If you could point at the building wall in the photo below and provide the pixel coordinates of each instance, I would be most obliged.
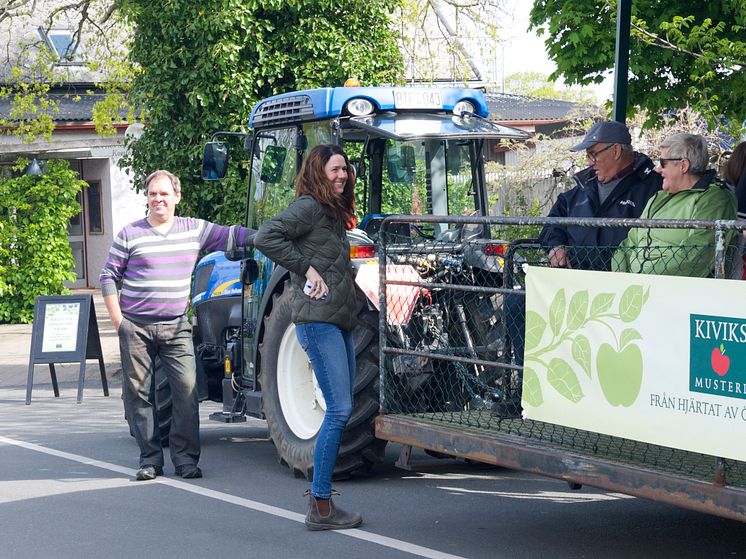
(120, 204)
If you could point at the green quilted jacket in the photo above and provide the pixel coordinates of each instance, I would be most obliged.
(678, 252)
(303, 236)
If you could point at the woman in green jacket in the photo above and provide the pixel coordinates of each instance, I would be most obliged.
(309, 238)
(690, 191)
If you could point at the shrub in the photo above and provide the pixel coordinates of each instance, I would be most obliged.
(35, 211)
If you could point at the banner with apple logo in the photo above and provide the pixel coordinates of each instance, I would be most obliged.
(659, 359)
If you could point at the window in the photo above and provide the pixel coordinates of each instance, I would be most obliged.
(95, 218)
(62, 43)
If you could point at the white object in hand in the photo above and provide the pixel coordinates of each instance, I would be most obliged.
(308, 287)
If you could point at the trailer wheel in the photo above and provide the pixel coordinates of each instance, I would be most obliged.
(294, 406)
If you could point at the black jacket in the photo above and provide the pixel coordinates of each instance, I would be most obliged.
(302, 236)
(590, 248)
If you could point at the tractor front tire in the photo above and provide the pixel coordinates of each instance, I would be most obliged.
(293, 403)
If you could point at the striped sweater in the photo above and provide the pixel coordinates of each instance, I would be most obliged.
(155, 269)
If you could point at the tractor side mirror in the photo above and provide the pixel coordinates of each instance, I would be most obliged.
(214, 161)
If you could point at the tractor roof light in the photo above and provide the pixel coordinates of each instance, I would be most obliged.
(463, 107)
(359, 107)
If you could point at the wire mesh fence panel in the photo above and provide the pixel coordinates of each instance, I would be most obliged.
(453, 323)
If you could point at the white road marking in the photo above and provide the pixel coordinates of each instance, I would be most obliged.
(553, 496)
(370, 537)
(21, 490)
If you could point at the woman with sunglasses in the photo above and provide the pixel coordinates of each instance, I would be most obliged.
(690, 191)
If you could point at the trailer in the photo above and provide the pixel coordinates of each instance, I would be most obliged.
(631, 383)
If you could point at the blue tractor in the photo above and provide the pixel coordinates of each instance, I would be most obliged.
(416, 151)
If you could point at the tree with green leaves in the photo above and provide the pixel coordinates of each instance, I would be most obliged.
(445, 38)
(35, 211)
(47, 44)
(204, 64)
(682, 54)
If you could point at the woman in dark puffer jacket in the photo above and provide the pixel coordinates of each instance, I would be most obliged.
(309, 239)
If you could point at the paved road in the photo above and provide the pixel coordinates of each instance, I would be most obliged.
(66, 492)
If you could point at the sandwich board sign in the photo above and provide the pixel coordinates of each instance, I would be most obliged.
(65, 331)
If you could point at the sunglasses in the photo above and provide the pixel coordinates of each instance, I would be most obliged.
(663, 161)
(593, 155)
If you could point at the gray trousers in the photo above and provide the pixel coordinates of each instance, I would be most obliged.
(139, 344)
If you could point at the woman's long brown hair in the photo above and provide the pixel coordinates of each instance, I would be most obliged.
(312, 181)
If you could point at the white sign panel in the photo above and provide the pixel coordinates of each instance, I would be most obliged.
(657, 359)
(60, 327)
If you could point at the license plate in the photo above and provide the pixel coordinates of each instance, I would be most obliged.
(417, 99)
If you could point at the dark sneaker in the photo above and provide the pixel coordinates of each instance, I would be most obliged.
(148, 472)
(337, 519)
(188, 471)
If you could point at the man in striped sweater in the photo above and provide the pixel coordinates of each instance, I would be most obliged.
(152, 259)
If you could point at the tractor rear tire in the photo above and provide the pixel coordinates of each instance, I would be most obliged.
(293, 404)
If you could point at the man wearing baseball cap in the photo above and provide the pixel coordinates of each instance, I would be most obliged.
(617, 184)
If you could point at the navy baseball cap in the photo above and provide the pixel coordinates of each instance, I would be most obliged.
(607, 132)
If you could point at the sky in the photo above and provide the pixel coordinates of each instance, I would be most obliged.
(523, 50)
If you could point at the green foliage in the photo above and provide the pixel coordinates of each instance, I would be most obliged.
(204, 65)
(34, 214)
(97, 56)
(682, 54)
(31, 110)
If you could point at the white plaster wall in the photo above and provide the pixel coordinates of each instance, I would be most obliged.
(120, 206)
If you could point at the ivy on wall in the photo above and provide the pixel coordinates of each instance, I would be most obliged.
(35, 256)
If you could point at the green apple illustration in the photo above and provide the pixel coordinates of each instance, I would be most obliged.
(620, 373)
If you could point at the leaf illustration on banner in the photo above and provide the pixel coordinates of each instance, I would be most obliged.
(581, 352)
(630, 304)
(601, 303)
(535, 326)
(577, 310)
(532, 394)
(557, 312)
(564, 380)
(628, 335)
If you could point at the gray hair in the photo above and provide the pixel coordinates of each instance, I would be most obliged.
(691, 147)
(175, 182)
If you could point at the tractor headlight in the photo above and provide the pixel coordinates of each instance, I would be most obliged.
(463, 107)
(359, 107)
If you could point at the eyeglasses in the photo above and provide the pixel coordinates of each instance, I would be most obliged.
(592, 156)
(667, 159)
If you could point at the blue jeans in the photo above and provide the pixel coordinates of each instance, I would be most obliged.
(172, 342)
(332, 354)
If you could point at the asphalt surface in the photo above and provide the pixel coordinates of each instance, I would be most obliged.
(66, 491)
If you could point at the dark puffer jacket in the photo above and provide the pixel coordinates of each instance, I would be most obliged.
(302, 236)
(591, 248)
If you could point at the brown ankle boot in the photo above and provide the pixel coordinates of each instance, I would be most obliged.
(337, 519)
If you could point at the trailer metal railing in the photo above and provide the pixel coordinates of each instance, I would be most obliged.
(451, 353)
